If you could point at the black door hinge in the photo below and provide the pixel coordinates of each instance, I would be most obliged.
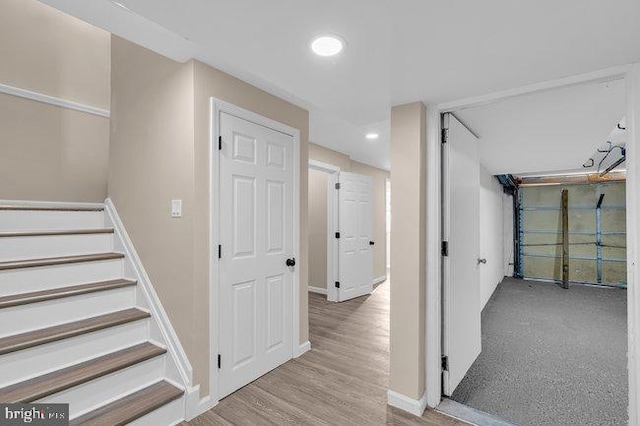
(337, 185)
(445, 248)
(337, 235)
(219, 360)
(220, 143)
(445, 135)
(219, 252)
(445, 363)
(337, 284)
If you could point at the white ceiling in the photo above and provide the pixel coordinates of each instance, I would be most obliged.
(435, 51)
(557, 130)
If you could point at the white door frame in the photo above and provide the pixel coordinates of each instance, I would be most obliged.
(332, 226)
(216, 107)
(433, 338)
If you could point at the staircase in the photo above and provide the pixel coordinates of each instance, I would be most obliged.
(74, 328)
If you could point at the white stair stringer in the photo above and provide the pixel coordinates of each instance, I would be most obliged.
(39, 232)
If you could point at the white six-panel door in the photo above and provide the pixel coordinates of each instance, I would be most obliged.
(462, 304)
(256, 236)
(355, 222)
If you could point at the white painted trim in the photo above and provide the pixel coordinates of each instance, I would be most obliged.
(304, 347)
(194, 406)
(332, 226)
(325, 167)
(158, 314)
(607, 74)
(433, 304)
(216, 107)
(379, 280)
(633, 245)
(52, 100)
(318, 290)
(410, 405)
(51, 204)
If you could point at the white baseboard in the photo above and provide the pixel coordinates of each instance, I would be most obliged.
(319, 290)
(410, 405)
(304, 347)
(197, 406)
(379, 279)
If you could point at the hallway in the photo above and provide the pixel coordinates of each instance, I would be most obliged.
(342, 380)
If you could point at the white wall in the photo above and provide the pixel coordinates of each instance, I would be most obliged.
(491, 234)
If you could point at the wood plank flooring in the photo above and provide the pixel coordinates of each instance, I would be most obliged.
(342, 380)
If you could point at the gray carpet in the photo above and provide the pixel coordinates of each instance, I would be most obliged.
(551, 356)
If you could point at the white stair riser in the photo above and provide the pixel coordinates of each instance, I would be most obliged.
(95, 393)
(34, 316)
(29, 220)
(25, 364)
(25, 280)
(19, 248)
(169, 414)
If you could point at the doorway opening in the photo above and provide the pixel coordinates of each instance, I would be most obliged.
(534, 302)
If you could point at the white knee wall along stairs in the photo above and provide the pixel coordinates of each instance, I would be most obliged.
(80, 322)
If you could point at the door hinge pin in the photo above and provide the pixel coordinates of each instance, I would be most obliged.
(337, 235)
(220, 143)
(337, 284)
(219, 252)
(219, 360)
(337, 185)
(445, 248)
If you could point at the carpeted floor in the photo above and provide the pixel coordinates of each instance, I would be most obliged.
(551, 356)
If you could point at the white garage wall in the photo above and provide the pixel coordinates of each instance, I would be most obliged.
(491, 234)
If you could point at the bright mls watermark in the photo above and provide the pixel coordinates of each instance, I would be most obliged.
(34, 414)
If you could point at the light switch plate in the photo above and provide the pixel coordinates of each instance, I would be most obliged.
(176, 208)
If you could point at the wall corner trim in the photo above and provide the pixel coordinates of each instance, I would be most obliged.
(304, 347)
(52, 100)
(158, 313)
(410, 405)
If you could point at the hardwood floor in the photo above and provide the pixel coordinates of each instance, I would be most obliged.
(342, 380)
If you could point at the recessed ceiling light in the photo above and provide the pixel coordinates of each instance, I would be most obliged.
(327, 45)
(372, 136)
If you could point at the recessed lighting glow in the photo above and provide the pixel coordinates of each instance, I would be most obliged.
(372, 136)
(327, 45)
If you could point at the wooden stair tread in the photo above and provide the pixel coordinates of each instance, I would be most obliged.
(56, 232)
(51, 334)
(58, 293)
(131, 407)
(57, 381)
(52, 261)
(51, 208)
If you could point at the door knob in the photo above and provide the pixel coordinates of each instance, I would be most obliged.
(291, 262)
(482, 261)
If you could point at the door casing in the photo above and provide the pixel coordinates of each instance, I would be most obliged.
(216, 108)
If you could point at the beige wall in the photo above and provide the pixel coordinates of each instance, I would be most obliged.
(408, 224)
(160, 151)
(318, 212)
(318, 181)
(51, 153)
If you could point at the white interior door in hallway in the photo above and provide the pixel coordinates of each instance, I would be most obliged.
(256, 237)
(355, 217)
(461, 229)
